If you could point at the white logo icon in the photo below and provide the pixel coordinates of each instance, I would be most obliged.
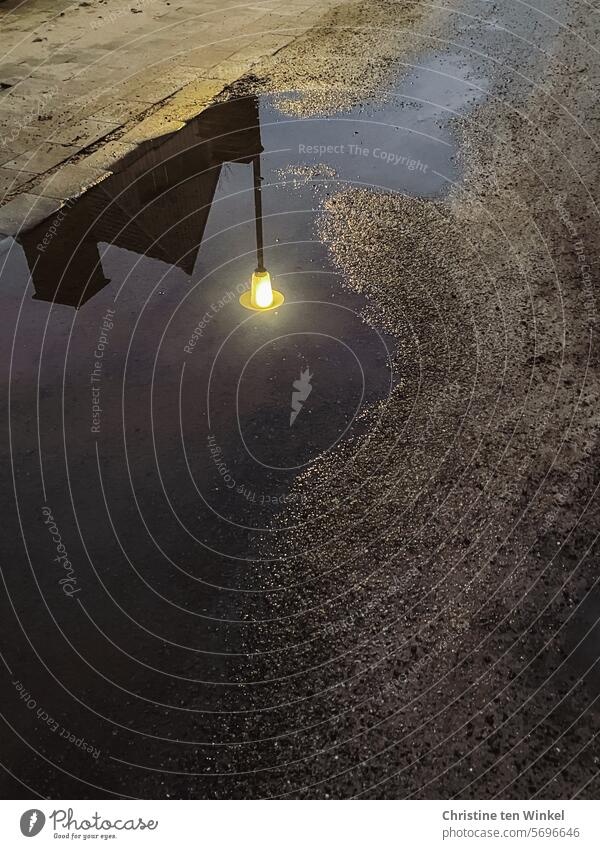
(302, 389)
(32, 822)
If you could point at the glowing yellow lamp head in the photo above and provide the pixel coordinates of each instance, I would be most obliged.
(261, 296)
(261, 293)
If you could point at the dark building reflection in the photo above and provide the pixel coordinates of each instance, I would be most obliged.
(156, 204)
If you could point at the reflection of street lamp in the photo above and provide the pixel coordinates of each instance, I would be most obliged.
(261, 296)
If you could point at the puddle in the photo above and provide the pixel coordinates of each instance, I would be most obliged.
(160, 422)
(153, 262)
(167, 245)
(402, 143)
(149, 378)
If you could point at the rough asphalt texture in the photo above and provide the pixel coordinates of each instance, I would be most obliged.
(442, 561)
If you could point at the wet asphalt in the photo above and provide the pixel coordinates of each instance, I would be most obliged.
(391, 594)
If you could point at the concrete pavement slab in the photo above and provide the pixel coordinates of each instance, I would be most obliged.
(70, 181)
(41, 159)
(82, 133)
(106, 156)
(191, 99)
(26, 211)
(118, 111)
(151, 128)
(12, 179)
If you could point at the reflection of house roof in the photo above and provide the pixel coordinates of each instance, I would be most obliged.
(69, 270)
(156, 204)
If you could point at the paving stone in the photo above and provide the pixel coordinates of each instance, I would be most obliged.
(34, 87)
(69, 181)
(42, 158)
(231, 69)
(56, 71)
(15, 140)
(121, 110)
(6, 243)
(151, 128)
(239, 62)
(82, 133)
(180, 72)
(188, 102)
(205, 58)
(266, 44)
(13, 72)
(11, 180)
(106, 156)
(81, 89)
(161, 87)
(26, 211)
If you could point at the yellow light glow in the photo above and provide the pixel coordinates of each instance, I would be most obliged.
(261, 296)
(261, 292)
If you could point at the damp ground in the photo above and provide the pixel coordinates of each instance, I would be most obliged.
(151, 413)
(377, 597)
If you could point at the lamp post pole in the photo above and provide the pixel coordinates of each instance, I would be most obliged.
(260, 260)
(261, 296)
